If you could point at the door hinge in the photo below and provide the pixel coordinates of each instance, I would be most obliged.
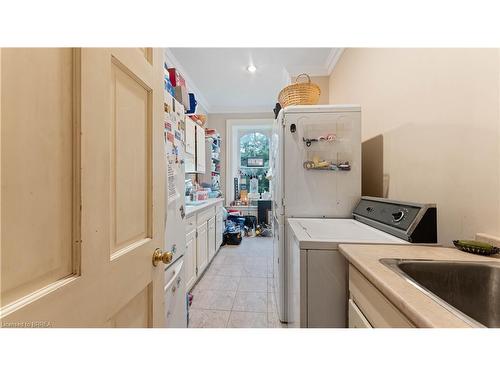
(283, 202)
(283, 121)
(197, 270)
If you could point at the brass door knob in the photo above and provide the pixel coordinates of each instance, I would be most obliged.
(161, 256)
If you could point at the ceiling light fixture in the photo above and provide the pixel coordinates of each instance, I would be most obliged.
(251, 68)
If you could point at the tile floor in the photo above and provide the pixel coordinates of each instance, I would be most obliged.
(236, 290)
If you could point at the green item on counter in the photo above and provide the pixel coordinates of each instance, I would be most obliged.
(476, 247)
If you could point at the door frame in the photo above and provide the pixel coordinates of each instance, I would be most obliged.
(233, 126)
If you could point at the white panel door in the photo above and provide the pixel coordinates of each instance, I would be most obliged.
(82, 176)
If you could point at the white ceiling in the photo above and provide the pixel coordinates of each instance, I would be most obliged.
(221, 82)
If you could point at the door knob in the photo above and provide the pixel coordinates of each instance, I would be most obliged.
(162, 256)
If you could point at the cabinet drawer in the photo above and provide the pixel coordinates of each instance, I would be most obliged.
(356, 317)
(191, 224)
(205, 215)
(377, 309)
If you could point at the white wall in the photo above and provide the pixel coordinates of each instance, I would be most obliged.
(438, 111)
(324, 85)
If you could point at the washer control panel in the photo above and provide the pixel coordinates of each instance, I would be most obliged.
(398, 215)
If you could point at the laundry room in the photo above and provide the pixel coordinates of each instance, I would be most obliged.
(272, 196)
(255, 197)
(343, 166)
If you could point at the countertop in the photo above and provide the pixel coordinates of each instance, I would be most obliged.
(191, 210)
(418, 307)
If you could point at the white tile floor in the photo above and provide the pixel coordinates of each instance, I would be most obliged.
(236, 291)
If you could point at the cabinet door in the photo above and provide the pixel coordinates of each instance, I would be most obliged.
(190, 259)
(190, 136)
(200, 149)
(219, 230)
(81, 133)
(202, 248)
(211, 238)
(189, 163)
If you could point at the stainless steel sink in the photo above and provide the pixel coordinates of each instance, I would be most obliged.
(470, 290)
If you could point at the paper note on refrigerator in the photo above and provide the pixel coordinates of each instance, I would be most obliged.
(172, 193)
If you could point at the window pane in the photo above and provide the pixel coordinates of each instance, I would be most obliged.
(254, 158)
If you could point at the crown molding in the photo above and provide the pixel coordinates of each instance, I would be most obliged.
(242, 109)
(332, 59)
(311, 70)
(200, 98)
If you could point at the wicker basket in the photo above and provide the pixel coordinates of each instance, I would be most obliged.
(300, 93)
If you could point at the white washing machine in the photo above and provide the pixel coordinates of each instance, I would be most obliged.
(317, 272)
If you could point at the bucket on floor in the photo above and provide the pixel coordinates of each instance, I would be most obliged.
(232, 237)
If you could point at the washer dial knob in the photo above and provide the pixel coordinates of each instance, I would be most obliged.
(398, 216)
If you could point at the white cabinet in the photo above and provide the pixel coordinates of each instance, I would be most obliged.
(211, 238)
(194, 147)
(200, 149)
(189, 163)
(190, 136)
(203, 238)
(201, 248)
(190, 259)
(190, 151)
(219, 230)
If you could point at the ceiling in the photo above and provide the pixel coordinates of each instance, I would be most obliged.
(222, 84)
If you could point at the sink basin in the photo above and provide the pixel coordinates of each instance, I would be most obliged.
(470, 290)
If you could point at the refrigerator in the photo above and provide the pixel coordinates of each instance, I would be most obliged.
(315, 169)
(175, 240)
